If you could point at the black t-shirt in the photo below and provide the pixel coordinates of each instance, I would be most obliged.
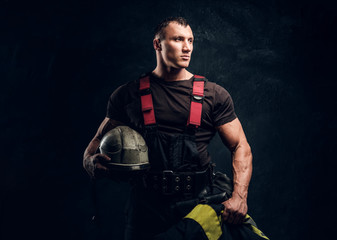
(171, 101)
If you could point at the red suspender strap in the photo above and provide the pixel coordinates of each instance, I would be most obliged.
(196, 102)
(146, 101)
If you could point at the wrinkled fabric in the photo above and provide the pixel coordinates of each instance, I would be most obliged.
(191, 228)
(174, 152)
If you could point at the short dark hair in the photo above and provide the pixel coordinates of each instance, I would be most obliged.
(159, 30)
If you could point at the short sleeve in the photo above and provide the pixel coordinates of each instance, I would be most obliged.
(223, 111)
(116, 104)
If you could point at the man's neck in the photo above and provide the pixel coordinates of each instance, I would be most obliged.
(172, 74)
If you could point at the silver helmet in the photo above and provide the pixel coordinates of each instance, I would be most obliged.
(126, 148)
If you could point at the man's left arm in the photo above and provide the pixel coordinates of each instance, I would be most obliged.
(234, 138)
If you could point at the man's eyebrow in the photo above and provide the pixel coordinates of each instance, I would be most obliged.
(181, 36)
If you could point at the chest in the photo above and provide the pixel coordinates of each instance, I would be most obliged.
(171, 107)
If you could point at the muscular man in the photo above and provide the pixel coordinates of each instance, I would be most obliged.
(173, 145)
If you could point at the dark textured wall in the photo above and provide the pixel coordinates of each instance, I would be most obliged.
(60, 60)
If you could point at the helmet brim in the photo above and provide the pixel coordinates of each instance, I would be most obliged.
(129, 167)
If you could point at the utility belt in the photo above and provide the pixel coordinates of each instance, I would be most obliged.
(186, 184)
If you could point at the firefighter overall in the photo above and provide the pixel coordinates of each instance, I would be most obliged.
(176, 173)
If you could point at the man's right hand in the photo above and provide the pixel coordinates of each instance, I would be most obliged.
(97, 165)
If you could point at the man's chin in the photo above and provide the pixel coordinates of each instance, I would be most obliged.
(183, 65)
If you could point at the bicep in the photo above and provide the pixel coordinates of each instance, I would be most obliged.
(232, 134)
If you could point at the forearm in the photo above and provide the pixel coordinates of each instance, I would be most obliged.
(242, 169)
(92, 147)
(94, 143)
(90, 151)
(234, 138)
(89, 165)
(105, 126)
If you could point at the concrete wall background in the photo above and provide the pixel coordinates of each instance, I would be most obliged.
(60, 60)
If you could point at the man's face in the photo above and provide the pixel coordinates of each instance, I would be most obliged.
(177, 46)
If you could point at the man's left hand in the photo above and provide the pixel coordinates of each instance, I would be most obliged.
(235, 209)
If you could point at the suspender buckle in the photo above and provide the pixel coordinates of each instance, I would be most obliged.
(145, 91)
(197, 98)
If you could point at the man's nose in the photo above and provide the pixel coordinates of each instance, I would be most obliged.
(187, 46)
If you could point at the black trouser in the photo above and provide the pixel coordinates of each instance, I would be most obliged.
(148, 214)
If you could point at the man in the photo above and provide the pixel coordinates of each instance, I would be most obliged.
(171, 86)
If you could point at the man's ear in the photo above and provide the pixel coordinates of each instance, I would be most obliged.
(157, 44)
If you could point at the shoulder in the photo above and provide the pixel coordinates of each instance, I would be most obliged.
(214, 88)
(127, 87)
(125, 93)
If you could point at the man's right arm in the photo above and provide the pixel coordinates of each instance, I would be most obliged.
(95, 163)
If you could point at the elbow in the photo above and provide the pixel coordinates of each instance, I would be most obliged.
(243, 147)
(248, 151)
(249, 156)
(243, 155)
